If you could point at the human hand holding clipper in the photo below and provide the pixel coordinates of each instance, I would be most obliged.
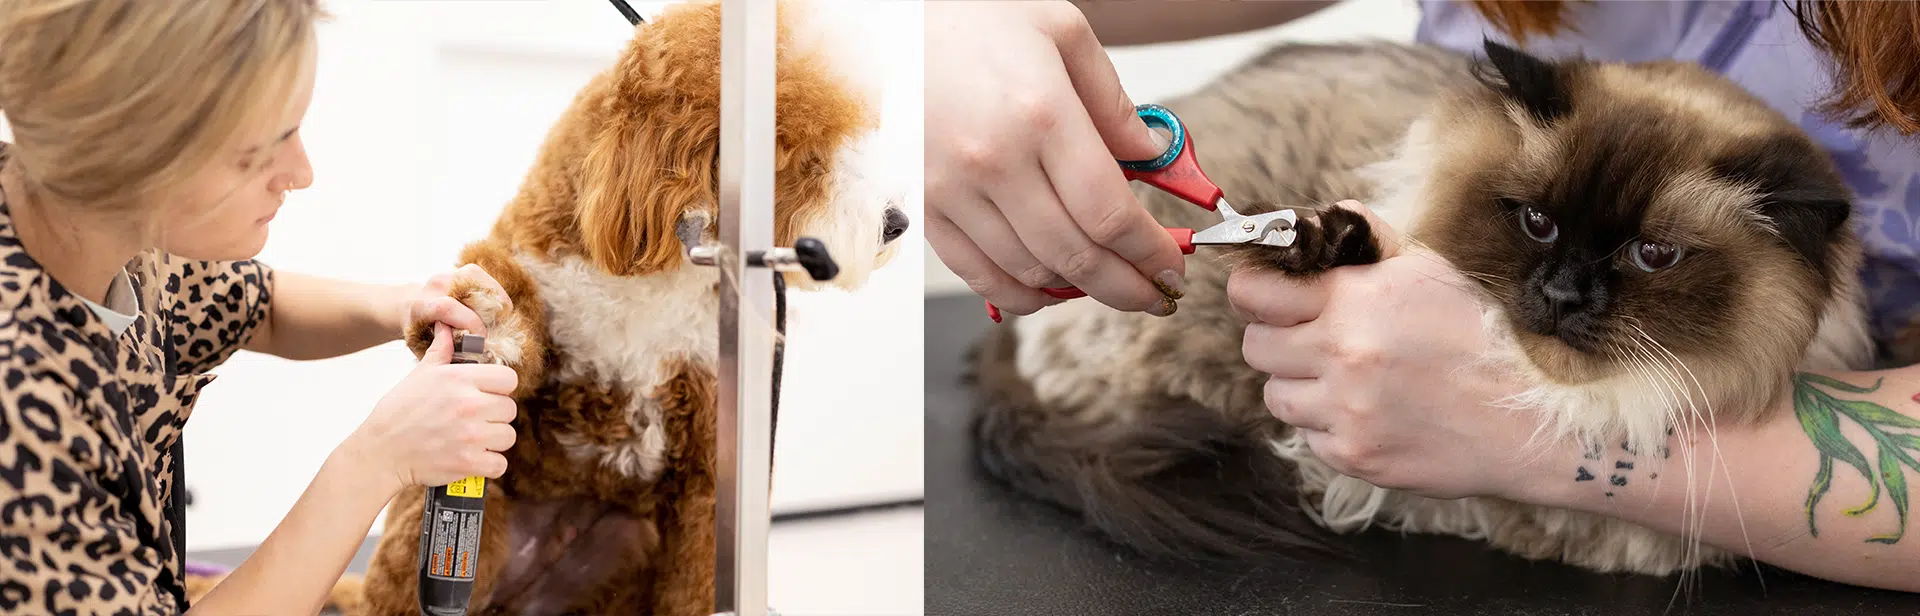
(1022, 129)
(450, 524)
(443, 422)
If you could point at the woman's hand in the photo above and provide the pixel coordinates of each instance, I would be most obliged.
(443, 422)
(1025, 118)
(430, 302)
(1382, 368)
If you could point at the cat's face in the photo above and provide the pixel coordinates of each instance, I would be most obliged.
(1633, 215)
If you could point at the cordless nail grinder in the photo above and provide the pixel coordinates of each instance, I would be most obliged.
(450, 526)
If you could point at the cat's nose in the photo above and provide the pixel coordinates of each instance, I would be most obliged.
(1564, 297)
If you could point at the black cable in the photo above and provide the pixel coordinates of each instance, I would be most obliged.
(627, 11)
(834, 512)
(779, 361)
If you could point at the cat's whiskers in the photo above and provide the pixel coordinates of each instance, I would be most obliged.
(1671, 408)
(1490, 280)
(1713, 437)
(1639, 365)
(1693, 516)
(1710, 424)
(1497, 284)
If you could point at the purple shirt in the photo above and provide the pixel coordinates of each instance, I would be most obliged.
(1759, 46)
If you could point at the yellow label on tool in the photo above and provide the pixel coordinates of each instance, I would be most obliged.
(471, 487)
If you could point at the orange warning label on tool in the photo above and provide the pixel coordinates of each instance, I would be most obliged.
(451, 543)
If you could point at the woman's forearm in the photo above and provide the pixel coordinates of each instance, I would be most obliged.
(294, 570)
(1144, 22)
(1790, 492)
(318, 318)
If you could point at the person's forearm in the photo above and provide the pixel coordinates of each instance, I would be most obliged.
(318, 318)
(1144, 22)
(295, 569)
(1769, 491)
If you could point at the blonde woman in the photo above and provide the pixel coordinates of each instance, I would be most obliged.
(153, 142)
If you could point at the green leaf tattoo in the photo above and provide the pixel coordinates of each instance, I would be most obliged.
(1896, 491)
(1819, 413)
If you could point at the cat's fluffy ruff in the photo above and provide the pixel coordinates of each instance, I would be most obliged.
(1405, 130)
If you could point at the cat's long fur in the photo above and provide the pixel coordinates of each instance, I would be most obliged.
(1155, 429)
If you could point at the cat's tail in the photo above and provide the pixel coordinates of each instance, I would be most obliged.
(1176, 480)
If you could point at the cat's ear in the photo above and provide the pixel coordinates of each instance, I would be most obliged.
(1537, 85)
(1805, 202)
(1807, 219)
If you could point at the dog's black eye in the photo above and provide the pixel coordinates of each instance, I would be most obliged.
(1653, 256)
(1538, 225)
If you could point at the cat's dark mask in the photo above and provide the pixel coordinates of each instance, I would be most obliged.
(1626, 206)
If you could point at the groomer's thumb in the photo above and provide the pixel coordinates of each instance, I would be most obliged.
(1094, 79)
(1126, 135)
(441, 351)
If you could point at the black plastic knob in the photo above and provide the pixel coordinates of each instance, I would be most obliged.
(812, 255)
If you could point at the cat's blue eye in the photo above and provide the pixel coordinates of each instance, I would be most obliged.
(1538, 226)
(1655, 256)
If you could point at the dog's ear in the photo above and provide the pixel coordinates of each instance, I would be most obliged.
(640, 174)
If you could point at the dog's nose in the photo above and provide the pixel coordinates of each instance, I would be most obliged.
(894, 226)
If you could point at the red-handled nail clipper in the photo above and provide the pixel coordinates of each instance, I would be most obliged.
(1178, 172)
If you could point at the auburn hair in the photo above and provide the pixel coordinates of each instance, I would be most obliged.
(1521, 18)
(1869, 46)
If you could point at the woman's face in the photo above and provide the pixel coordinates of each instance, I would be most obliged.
(224, 210)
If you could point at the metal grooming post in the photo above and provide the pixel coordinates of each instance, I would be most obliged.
(744, 452)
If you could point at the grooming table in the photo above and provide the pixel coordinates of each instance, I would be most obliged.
(991, 551)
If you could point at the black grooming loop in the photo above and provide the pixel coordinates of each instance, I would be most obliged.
(807, 254)
(633, 17)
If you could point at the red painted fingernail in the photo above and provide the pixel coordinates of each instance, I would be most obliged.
(993, 312)
(1064, 293)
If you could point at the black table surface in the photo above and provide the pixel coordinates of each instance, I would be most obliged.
(991, 552)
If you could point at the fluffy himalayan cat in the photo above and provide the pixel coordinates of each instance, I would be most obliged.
(1600, 208)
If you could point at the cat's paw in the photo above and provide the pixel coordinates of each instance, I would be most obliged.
(1332, 238)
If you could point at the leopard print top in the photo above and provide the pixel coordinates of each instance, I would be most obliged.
(88, 421)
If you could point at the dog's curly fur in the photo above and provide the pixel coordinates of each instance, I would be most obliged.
(607, 505)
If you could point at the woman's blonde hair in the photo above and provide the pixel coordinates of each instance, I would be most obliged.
(113, 102)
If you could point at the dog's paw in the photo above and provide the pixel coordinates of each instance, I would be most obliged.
(1332, 238)
(492, 307)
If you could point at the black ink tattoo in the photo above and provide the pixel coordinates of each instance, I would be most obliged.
(1623, 464)
(1617, 480)
(1584, 475)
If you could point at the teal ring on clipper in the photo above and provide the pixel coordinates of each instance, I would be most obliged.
(1159, 117)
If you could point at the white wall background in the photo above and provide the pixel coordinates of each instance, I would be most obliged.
(426, 115)
(1153, 73)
